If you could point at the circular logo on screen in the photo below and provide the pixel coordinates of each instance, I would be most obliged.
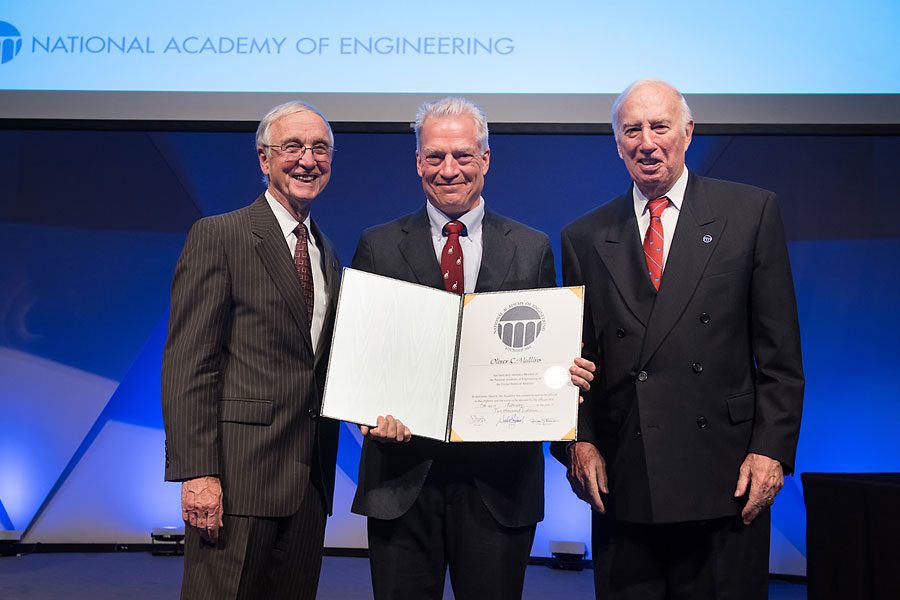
(10, 42)
(519, 325)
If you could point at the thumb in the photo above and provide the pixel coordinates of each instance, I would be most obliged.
(742, 483)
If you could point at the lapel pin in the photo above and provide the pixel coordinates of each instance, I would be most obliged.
(707, 238)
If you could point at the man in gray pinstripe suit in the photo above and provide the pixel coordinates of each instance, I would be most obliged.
(243, 372)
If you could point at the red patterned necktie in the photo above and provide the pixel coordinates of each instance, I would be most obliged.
(654, 240)
(452, 258)
(304, 271)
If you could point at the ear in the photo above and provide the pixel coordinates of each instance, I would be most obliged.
(419, 164)
(688, 134)
(485, 161)
(263, 160)
(619, 150)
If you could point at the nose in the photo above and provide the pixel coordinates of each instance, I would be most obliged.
(449, 168)
(307, 160)
(647, 142)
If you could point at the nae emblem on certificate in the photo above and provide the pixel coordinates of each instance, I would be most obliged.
(480, 367)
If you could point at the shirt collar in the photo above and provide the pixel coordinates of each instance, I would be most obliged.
(472, 219)
(675, 195)
(286, 222)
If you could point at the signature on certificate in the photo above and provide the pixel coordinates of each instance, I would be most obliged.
(511, 419)
(476, 420)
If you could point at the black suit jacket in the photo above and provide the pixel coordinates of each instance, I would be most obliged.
(241, 382)
(509, 476)
(693, 377)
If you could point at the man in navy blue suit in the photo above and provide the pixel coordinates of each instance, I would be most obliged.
(691, 318)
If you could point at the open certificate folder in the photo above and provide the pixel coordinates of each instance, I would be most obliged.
(475, 368)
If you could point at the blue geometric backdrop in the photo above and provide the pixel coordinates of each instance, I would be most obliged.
(92, 222)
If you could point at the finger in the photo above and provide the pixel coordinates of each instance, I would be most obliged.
(593, 496)
(586, 365)
(752, 510)
(407, 434)
(742, 483)
(578, 380)
(602, 481)
(580, 399)
(213, 531)
(364, 430)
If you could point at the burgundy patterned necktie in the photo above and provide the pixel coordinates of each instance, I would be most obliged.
(452, 258)
(654, 240)
(304, 271)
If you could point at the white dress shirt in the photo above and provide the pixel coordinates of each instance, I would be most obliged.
(669, 216)
(472, 247)
(288, 223)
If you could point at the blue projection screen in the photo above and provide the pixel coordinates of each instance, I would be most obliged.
(764, 62)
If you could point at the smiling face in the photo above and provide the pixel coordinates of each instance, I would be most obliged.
(652, 137)
(294, 183)
(451, 164)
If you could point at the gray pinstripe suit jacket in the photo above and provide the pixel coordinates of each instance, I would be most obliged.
(241, 382)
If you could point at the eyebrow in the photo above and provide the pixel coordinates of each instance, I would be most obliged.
(297, 140)
(464, 149)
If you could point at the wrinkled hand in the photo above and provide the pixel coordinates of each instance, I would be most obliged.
(582, 372)
(387, 429)
(587, 474)
(201, 506)
(765, 478)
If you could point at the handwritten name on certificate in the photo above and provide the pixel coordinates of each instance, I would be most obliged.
(512, 378)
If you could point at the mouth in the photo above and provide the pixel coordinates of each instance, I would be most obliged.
(304, 177)
(649, 162)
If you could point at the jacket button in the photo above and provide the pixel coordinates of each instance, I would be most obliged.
(643, 376)
(312, 414)
(704, 318)
(620, 333)
(697, 367)
(639, 433)
(701, 422)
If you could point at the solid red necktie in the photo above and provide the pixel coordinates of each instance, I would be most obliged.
(654, 240)
(304, 270)
(452, 258)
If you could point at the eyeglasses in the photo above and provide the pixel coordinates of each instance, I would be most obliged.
(295, 151)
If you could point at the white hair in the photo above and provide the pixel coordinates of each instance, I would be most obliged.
(452, 107)
(686, 115)
(282, 110)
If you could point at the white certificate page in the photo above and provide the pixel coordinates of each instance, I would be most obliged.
(392, 353)
(512, 379)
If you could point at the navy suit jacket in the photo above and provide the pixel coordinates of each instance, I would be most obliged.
(509, 476)
(695, 376)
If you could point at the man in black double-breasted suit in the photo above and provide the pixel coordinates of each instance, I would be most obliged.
(253, 302)
(691, 318)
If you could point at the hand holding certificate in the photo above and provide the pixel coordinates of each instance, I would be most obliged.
(480, 367)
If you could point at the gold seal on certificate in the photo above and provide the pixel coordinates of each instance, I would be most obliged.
(479, 367)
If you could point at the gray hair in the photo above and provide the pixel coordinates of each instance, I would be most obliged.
(282, 110)
(686, 115)
(452, 107)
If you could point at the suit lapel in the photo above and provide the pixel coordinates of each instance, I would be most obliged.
(497, 255)
(332, 283)
(275, 257)
(696, 237)
(620, 249)
(417, 250)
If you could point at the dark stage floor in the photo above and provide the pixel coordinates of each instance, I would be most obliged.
(141, 576)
